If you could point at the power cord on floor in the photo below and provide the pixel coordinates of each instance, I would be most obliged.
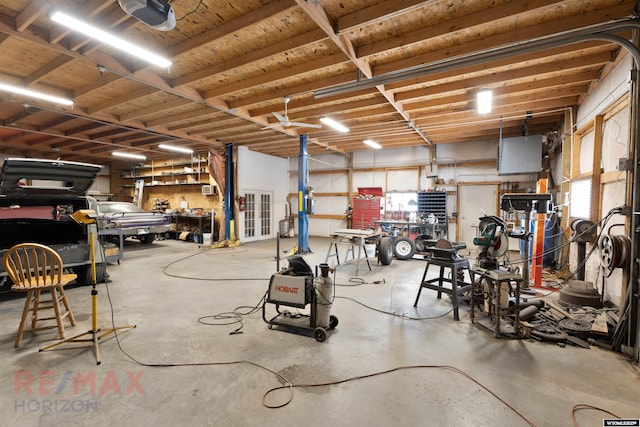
(359, 281)
(290, 386)
(233, 317)
(579, 406)
(209, 279)
(403, 368)
(404, 316)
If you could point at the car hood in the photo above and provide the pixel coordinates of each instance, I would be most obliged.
(21, 177)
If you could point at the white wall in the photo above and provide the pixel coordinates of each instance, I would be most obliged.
(399, 180)
(398, 177)
(615, 145)
(614, 86)
(261, 172)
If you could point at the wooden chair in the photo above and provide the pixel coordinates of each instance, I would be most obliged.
(35, 268)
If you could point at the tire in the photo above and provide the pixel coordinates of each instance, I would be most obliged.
(404, 248)
(84, 274)
(385, 251)
(320, 334)
(333, 322)
(146, 239)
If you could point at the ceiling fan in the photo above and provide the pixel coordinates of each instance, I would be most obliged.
(284, 120)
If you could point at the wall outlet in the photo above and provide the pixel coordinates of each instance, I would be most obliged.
(625, 164)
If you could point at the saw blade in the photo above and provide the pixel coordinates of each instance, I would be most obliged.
(500, 247)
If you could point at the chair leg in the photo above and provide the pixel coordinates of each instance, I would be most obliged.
(63, 297)
(56, 308)
(35, 307)
(25, 313)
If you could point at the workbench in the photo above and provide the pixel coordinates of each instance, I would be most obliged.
(188, 218)
(353, 239)
(113, 232)
(495, 279)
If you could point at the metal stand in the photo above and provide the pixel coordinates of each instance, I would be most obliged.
(457, 266)
(494, 279)
(95, 333)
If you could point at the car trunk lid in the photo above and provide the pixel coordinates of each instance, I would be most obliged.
(28, 177)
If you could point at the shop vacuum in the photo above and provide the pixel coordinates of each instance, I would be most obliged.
(297, 287)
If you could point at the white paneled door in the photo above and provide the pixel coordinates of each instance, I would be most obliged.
(258, 216)
(475, 201)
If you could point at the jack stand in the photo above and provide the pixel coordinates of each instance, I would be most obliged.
(95, 333)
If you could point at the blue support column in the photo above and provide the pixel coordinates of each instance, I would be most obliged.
(229, 193)
(303, 183)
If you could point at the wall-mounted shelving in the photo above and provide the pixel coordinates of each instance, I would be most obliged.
(178, 172)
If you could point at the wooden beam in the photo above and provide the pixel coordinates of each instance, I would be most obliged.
(379, 12)
(290, 43)
(598, 129)
(33, 11)
(322, 20)
(45, 70)
(513, 36)
(230, 27)
(451, 26)
(156, 108)
(313, 66)
(532, 71)
(91, 9)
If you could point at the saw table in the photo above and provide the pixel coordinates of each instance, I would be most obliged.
(353, 239)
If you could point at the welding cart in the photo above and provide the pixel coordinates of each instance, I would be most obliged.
(296, 287)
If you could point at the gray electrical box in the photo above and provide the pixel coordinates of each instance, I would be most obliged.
(520, 155)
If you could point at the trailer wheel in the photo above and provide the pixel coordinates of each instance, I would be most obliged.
(333, 322)
(320, 334)
(404, 247)
(385, 251)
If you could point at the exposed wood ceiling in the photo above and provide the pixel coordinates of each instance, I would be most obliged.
(234, 61)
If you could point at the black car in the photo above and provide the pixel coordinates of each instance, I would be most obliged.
(42, 201)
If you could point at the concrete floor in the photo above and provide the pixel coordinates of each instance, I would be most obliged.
(65, 387)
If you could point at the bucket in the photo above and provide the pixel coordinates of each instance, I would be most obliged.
(370, 249)
(206, 238)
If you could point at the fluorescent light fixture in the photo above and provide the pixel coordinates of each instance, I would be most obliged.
(129, 155)
(483, 98)
(22, 91)
(111, 40)
(371, 143)
(334, 124)
(176, 149)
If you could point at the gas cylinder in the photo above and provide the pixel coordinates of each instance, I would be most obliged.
(324, 296)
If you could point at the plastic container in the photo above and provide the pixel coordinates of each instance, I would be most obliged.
(206, 238)
(370, 249)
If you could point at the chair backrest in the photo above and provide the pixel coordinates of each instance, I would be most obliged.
(33, 264)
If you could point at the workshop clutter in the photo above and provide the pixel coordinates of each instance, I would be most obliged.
(549, 319)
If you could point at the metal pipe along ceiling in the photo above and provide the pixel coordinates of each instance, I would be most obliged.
(595, 32)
